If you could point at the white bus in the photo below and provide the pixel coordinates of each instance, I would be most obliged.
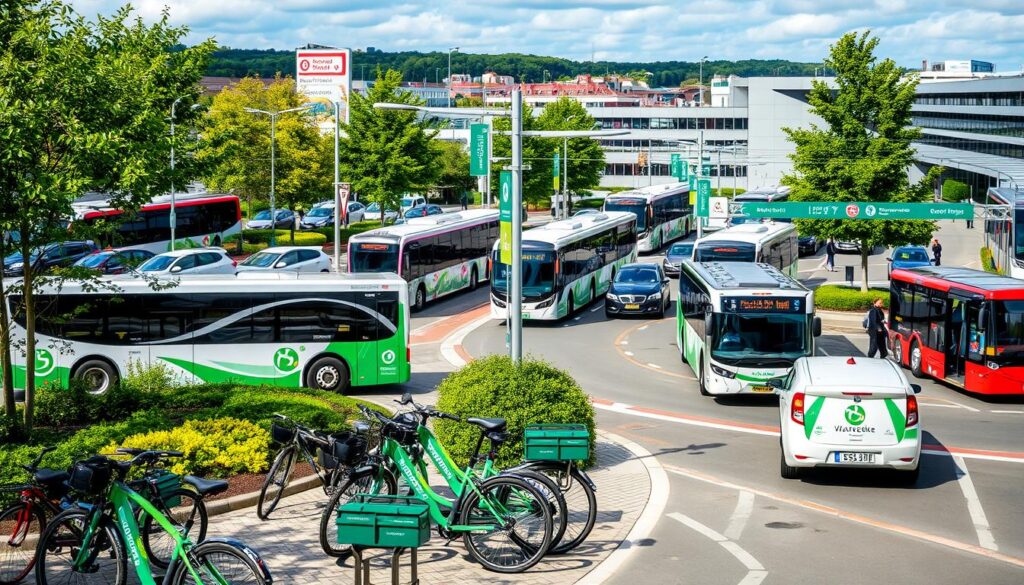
(437, 255)
(759, 195)
(324, 331)
(771, 243)
(566, 264)
(203, 219)
(1004, 231)
(739, 324)
(663, 213)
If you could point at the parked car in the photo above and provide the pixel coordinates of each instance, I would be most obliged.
(423, 211)
(638, 289)
(373, 211)
(808, 245)
(410, 201)
(114, 261)
(53, 255)
(261, 221)
(322, 215)
(287, 258)
(909, 257)
(189, 262)
(842, 246)
(677, 252)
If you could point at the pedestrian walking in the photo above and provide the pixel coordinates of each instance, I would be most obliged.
(830, 255)
(877, 336)
(465, 201)
(937, 252)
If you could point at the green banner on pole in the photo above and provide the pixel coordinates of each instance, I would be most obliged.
(703, 197)
(675, 166)
(479, 165)
(684, 170)
(557, 169)
(858, 210)
(505, 217)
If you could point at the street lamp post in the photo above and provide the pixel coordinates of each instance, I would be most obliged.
(700, 81)
(173, 217)
(450, 49)
(273, 152)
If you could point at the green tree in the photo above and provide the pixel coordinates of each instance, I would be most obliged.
(863, 151)
(236, 146)
(387, 153)
(955, 191)
(83, 106)
(453, 163)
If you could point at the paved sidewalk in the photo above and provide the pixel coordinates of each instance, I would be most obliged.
(289, 543)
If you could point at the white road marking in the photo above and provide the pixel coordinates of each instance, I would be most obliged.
(655, 366)
(455, 339)
(923, 403)
(755, 570)
(823, 352)
(624, 342)
(642, 328)
(738, 520)
(577, 318)
(1007, 411)
(963, 477)
(629, 353)
(597, 308)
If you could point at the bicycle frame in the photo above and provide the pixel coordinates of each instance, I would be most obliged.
(122, 497)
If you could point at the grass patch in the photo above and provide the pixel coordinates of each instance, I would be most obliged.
(831, 297)
(988, 263)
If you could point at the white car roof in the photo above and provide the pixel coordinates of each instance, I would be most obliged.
(825, 371)
(283, 249)
(189, 251)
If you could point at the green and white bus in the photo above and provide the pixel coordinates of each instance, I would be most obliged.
(739, 324)
(774, 244)
(437, 255)
(663, 213)
(324, 331)
(566, 264)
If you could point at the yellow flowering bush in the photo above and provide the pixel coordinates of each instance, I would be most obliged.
(217, 447)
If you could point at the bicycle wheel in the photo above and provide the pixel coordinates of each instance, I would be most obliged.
(21, 526)
(220, 562)
(526, 534)
(190, 518)
(62, 540)
(277, 479)
(556, 503)
(580, 502)
(361, 484)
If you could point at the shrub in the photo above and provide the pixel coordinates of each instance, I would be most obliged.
(831, 297)
(11, 429)
(531, 392)
(347, 232)
(310, 238)
(218, 447)
(259, 405)
(587, 204)
(61, 407)
(955, 191)
(988, 263)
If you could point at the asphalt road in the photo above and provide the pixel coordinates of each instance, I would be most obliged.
(730, 518)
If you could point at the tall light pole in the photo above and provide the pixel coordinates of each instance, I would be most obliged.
(173, 219)
(700, 81)
(273, 154)
(437, 76)
(450, 49)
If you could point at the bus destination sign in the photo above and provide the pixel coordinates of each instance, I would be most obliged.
(762, 305)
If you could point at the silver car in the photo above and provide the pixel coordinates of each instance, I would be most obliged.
(287, 258)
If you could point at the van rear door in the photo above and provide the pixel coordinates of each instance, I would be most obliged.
(856, 415)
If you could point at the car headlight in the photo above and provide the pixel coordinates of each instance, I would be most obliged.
(655, 297)
(612, 297)
(722, 372)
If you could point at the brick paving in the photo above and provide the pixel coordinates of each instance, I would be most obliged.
(288, 542)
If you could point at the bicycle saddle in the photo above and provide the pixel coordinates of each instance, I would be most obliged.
(488, 424)
(206, 487)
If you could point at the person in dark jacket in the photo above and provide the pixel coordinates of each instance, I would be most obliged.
(830, 255)
(937, 251)
(876, 331)
(464, 200)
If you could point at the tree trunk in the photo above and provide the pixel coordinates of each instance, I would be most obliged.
(865, 252)
(30, 325)
(5, 350)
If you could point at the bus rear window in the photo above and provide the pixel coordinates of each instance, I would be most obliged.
(725, 251)
(374, 257)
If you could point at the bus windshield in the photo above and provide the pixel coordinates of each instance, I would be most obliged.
(725, 251)
(1009, 330)
(759, 339)
(637, 207)
(374, 257)
(538, 275)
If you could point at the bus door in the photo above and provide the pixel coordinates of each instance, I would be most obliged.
(390, 354)
(966, 338)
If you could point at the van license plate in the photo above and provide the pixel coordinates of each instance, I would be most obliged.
(761, 389)
(632, 307)
(854, 457)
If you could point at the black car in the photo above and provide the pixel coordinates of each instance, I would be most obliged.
(54, 255)
(677, 252)
(808, 245)
(638, 289)
(114, 261)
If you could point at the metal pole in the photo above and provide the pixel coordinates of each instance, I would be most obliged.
(516, 280)
(273, 210)
(565, 178)
(700, 85)
(700, 173)
(173, 218)
(650, 164)
(337, 179)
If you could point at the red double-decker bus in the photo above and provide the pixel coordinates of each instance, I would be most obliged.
(962, 326)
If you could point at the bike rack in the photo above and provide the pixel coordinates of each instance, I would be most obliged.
(362, 566)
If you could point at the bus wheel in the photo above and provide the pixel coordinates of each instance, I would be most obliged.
(328, 373)
(700, 383)
(897, 351)
(98, 374)
(421, 298)
(915, 360)
(571, 305)
(682, 346)
(472, 280)
(593, 291)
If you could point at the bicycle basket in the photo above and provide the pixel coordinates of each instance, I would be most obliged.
(281, 434)
(165, 484)
(348, 448)
(90, 477)
(402, 434)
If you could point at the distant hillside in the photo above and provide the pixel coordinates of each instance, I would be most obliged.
(416, 66)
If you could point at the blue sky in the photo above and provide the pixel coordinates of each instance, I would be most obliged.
(621, 30)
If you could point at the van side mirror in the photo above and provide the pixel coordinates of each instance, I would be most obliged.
(916, 388)
(816, 327)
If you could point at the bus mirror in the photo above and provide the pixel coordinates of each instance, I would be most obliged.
(817, 327)
(982, 315)
(707, 323)
(916, 388)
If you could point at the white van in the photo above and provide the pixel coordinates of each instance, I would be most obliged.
(848, 412)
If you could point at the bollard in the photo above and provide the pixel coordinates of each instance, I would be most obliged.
(849, 274)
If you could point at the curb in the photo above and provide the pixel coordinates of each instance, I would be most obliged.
(218, 507)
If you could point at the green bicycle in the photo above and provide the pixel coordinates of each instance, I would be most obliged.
(91, 543)
(505, 520)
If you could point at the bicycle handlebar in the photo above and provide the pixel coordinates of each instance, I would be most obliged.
(34, 466)
(426, 411)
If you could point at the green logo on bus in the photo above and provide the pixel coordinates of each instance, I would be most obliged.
(44, 362)
(855, 414)
(388, 357)
(286, 359)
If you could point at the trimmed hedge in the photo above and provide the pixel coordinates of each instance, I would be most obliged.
(284, 237)
(587, 204)
(988, 263)
(532, 392)
(831, 297)
(955, 191)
